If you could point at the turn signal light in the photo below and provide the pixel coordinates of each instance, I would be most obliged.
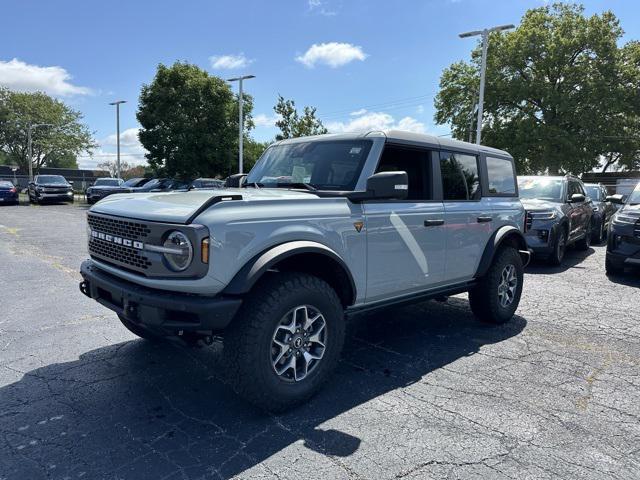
(204, 250)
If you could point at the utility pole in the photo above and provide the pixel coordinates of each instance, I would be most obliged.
(241, 118)
(30, 129)
(117, 104)
(483, 67)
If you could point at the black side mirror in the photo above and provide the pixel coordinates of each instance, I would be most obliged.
(384, 185)
(235, 181)
(618, 199)
(577, 198)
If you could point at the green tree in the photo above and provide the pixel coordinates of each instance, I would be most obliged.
(189, 122)
(292, 125)
(560, 94)
(55, 146)
(252, 151)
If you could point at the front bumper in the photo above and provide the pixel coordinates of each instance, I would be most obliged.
(541, 237)
(163, 312)
(55, 196)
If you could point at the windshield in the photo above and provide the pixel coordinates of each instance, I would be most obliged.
(132, 182)
(51, 179)
(634, 198)
(541, 188)
(4, 184)
(111, 182)
(207, 183)
(593, 192)
(324, 165)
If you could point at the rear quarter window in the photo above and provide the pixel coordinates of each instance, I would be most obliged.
(501, 175)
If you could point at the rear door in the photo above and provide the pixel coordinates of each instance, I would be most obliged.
(579, 215)
(405, 238)
(469, 220)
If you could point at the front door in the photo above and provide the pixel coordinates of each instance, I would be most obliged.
(405, 239)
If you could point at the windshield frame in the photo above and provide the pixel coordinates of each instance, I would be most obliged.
(634, 196)
(260, 171)
(559, 199)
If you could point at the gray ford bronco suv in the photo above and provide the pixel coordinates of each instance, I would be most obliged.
(322, 228)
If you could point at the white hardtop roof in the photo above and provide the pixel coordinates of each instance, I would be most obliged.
(402, 136)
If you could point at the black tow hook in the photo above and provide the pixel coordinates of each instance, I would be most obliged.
(84, 288)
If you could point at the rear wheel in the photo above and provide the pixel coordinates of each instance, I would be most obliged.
(285, 341)
(496, 298)
(559, 248)
(140, 331)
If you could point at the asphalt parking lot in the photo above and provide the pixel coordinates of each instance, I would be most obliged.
(421, 392)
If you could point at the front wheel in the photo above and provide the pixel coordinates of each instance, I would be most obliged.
(285, 341)
(612, 268)
(559, 248)
(585, 243)
(496, 297)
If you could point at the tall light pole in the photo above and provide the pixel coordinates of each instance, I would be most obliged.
(483, 66)
(241, 117)
(117, 104)
(29, 144)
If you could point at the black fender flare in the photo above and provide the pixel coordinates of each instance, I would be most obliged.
(499, 237)
(253, 270)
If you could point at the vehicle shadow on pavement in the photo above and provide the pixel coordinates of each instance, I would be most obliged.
(572, 259)
(138, 410)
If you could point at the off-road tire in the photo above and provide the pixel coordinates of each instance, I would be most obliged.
(559, 250)
(248, 340)
(611, 268)
(140, 331)
(483, 298)
(585, 242)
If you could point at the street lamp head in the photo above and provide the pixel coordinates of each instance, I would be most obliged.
(244, 77)
(118, 102)
(475, 33)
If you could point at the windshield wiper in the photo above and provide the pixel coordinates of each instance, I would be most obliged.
(306, 186)
(253, 184)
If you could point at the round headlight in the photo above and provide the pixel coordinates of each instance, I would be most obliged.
(181, 255)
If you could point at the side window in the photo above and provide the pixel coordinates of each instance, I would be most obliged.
(413, 161)
(501, 176)
(460, 177)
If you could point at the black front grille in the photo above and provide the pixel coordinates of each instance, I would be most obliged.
(117, 227)
(528, 221)
(119, 253)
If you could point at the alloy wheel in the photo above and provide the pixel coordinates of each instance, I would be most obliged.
(507, 286)
(298, 343)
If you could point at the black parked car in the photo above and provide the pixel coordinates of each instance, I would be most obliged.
(623, 245)
(603, 210)
(103, 187)
(8, 193)
(50, 187)
(161, 185)
(558, 214)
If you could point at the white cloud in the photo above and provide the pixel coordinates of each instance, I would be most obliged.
(333, 54)
(357, 113)
(18, 75)
(318, 6)
(376, 121)
(131, 150)
(263, 120)
(229, 62)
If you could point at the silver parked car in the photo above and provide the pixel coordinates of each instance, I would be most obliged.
(322, 229)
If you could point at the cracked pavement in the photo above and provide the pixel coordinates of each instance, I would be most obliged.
(421, 392)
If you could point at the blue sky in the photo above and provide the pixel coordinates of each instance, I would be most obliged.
(362, 63)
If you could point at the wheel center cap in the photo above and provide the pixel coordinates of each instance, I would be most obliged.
(297, 342)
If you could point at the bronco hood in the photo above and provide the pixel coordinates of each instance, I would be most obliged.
(536, 204)
(182, 207)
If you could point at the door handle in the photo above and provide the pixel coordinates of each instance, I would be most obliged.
(484, 219)
(433, 223)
